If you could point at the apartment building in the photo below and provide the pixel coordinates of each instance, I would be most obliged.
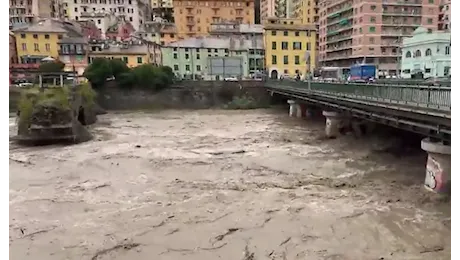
(22, 12)
(194, 17)
(272, 8)
(134, 11)
(444, 16)
(371, 31)
(290, 47)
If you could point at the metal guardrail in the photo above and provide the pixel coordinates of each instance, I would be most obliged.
(433, 97)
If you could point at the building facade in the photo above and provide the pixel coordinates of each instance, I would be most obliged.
(22, 12)
(73, 52)
(13, 50)
(133, 54)
(195, 58)
(194, 17)
(40, 40)
(290, 48)
(444, 16)
(426, 53)
(353, 32)
(134, 11)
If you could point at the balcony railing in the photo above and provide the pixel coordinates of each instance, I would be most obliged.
(400, 13)
(337, 13)
(81, 52)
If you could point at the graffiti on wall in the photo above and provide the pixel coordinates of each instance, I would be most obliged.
(434, 175)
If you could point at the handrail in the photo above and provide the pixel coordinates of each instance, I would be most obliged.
(433, 97)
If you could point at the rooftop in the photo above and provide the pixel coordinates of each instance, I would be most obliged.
(72, 29)
(123, 49)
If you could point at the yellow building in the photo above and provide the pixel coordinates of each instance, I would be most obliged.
(288, 43)
(194, 17)
(132, 54)
(40, 40)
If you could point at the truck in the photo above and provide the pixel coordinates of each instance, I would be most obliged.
(362, 73)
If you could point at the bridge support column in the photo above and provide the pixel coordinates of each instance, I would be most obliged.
(292, 108)
(333, 123)
(437, 177)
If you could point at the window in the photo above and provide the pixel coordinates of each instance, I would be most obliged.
(428, 52)
(429, 20)
(176, 67)
(47, 47)
(372, 29)
(284, 45)
(447, 50)
(186, 49)
(23, 36)
(285, 59)
(285, 33)
(197, 56)
(408, 54)
(187, 67)
(139, 60)
(175, 56)
(47, 36)
(35, 36)
(274, 61)
(373, 7)
(36, 47)
(187, 56)
(125, 59)
(447, 71)
(273, 45)
(297, 45)
(174, 49)
(24, 46)
(373, 19)
(308, 46)
(427, 70)
(297, 59)
(60, 36)
(274, 33)
(198, 67)
(297, 33)
(418, 53)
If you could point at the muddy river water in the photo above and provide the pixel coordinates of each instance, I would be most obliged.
(216, 184)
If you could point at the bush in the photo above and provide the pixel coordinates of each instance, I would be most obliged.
(148, 76)
(98, 72)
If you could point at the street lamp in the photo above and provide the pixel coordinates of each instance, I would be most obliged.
(307, 60)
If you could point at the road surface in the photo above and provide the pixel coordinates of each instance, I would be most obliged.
(218, 184)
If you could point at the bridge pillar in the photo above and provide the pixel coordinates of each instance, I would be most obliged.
(437, 177)
(292, 108)
(333, 123)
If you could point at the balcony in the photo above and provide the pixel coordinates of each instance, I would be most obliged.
(401, 13)
(402, 3)
(72, 52)
(340, 38)
(342, 29)
(337, 13)
(339, 48)
(190, 22)
(340, 21)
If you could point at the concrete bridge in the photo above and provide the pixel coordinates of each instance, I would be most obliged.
(421, 109)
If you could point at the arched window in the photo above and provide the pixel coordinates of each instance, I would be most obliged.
(408, 54)
(418, 53)
(428, 52)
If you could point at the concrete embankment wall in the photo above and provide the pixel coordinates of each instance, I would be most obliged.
(188, 95)
(184, 95)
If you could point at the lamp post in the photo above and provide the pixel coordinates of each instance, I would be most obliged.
(308, 63)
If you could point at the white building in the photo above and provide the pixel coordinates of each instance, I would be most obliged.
(134, 11)
(426, 53)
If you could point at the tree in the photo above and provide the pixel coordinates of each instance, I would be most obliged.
(50, 67)
(98, 72)
(118, 67)
(150, 77)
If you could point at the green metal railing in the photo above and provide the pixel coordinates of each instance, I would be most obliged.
(430, 97)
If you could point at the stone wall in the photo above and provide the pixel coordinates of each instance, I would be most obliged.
(189, 95)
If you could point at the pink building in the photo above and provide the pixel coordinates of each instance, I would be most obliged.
(353, 31)
(267, 9)
(444, 15)
(120, 31)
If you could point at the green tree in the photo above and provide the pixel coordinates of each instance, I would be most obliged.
(55, 66)
(150, 77)
(98, 72)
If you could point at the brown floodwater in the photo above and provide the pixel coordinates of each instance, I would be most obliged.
(218, 184)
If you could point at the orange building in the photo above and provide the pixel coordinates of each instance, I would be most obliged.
(194, 17)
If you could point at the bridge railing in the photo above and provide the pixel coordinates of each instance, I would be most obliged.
(435, 97)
